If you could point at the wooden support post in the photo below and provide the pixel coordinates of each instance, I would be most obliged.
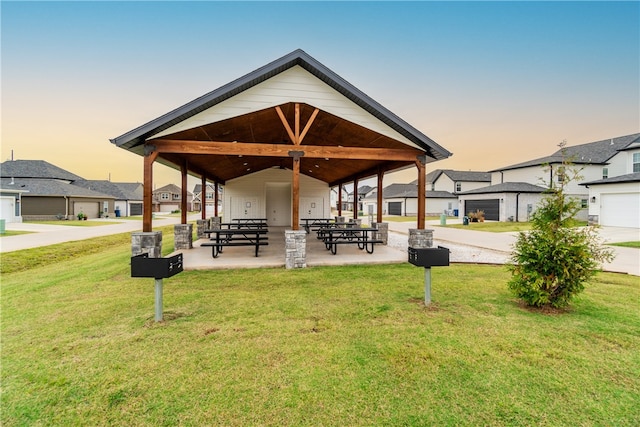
(339, 199)
(355, 198)
(215, 198)
(147, 201)
(295, 202)
(183, 195)
(420, 163)
(379, 196)
(203, 198)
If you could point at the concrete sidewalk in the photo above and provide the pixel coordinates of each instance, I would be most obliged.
(45, 234)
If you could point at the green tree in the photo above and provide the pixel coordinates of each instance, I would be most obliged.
(551, 263)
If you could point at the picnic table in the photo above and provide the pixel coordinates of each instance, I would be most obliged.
(246, 221)
(361, 236)
(247, 236)
(314, 223)
(243, 226)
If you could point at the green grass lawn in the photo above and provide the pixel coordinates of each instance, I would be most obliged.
(8, 233)
(319, 346)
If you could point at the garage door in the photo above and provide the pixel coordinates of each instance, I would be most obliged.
(90, 209)
(620, 210)
(136, 209)
(395, 208)
(491, 208)
(7, 206)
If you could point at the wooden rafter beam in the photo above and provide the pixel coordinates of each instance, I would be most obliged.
(282, 150)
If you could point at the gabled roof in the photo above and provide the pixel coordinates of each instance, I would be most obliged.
(507, 187)
(169, 188)
(51, 187)
(198, 188)
(631, 177)
(119, 190)
(399, 191)
(365, 189)
(296, 58)
(597, 153)
(35, 169)
(343, 132)
(458, 176)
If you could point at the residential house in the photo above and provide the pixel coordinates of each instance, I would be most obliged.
(455, 181)
(48, 192)
(128, 195)
(209, 198)
(516, 190)
(402, 199)
(168, 199)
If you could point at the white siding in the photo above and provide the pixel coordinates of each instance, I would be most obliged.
(254, 186)
(615, 204)
(292, 85)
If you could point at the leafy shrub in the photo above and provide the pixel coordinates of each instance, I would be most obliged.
(551, 263)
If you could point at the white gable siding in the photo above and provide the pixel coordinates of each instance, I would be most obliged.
(254, 187)
(292, 85)
(444, 183)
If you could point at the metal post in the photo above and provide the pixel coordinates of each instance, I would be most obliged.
(158, 300)
(427, 286)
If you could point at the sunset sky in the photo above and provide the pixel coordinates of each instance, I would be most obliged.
(496, 83)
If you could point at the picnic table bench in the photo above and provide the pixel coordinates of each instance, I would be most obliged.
(361, 236)
(235, 237)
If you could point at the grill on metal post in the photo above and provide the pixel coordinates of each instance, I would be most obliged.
(158, 268)
(427, 258)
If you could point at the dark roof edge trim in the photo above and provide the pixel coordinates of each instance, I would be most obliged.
(297, 57)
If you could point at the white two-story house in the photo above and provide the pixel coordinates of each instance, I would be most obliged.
(516, 190)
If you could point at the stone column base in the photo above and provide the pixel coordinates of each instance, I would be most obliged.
(214, 222)
(295, 249)
(201, 225)
(182, 236)
(149, 242)
(420, 239)
(383, 231)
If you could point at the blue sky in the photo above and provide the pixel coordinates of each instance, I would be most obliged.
(495, 83)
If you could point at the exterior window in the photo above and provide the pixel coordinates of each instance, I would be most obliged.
(636, 162)
(164, 196)
(209, 196)
(584, 203)
(458, 186)
(605, 173)
(176, 197)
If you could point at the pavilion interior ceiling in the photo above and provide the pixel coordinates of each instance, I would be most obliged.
(266, 127)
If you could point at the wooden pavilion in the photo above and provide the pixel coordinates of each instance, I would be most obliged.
(292, 114)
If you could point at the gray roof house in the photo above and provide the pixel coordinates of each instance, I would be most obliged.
(128, 195)
(515, 190)
(52, 184)
(401, 199)
(454, 181)
(49, 191)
